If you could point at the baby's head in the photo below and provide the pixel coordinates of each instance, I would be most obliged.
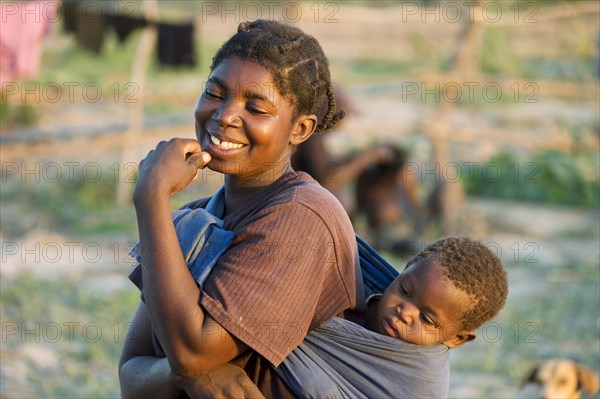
(445, 292)
(295, 61)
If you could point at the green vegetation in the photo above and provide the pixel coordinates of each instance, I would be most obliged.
(548, 177)
(82, 330)
(75, 207)
(556, 321)
(18, 114)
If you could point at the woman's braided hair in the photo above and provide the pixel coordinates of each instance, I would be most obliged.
(473, 268)
(295, 60)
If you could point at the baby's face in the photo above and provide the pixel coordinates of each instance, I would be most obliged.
(422, 306)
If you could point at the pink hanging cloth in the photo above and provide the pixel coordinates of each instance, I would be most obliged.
(23, 26)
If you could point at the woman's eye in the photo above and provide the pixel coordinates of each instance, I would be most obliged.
(212, 94)
(256, 110)
(213, 91)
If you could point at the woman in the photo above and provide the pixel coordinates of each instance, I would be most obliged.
(293, 261)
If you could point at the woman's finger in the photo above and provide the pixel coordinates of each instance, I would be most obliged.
(188, 146)
(199, 160)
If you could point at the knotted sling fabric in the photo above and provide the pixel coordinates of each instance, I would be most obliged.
(201, 237)
(339, 359)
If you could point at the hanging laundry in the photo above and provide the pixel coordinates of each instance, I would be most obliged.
(90, 23)
(69, 10)
(124, 25)
(90, 28)
(23, 27)
(176, 44)
(86, 20)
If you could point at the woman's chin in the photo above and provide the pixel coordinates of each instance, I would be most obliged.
(219, 166)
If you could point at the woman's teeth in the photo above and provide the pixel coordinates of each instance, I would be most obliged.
(226, 145)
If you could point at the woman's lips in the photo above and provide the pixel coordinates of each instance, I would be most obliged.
(221, 145)
(224, 144)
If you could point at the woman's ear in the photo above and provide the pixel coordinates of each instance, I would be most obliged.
(460, 339)
(304, 127)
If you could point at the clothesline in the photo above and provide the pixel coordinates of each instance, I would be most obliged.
(175, 40)
(24, 28)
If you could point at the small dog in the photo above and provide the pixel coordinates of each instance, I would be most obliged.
(562, 378)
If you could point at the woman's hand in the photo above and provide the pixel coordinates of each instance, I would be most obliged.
(228, 381)
(170, 167)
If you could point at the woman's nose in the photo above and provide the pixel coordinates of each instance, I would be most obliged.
(227, 113)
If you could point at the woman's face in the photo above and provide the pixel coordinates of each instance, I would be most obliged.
(244, 123)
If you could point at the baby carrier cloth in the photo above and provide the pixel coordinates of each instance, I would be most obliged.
(339, 359)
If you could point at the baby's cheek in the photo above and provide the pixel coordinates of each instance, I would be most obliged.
(412, 334)
(421, 334)
(432, 335)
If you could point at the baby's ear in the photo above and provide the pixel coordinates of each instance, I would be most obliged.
(304, 127)
(460, 339)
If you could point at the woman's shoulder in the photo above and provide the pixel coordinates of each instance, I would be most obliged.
(304, 195)
(295, 198)
(308, 192)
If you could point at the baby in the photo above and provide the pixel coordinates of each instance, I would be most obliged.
(445, 292)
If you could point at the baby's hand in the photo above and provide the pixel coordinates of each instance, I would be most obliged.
(170, 167)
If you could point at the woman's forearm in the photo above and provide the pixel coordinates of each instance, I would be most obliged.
(147, 377)
(172, 308)
(170, 292)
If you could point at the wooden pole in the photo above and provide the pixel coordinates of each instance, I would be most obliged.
(135, 116)
(451, 195)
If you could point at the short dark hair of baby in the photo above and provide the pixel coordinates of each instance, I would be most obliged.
(295, 61)
(474, 269)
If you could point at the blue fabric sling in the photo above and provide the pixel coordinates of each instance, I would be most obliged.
(201, 237)
(377, 273)
(339, 359)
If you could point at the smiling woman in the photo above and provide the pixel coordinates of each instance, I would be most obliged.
(249, 132)
(292, 263)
